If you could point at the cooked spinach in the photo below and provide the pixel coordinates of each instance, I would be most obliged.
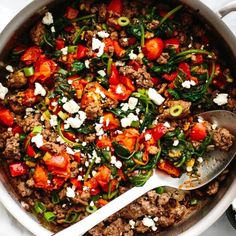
(141, 178)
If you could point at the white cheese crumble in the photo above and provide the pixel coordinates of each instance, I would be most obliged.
(9, 68)
(132, 223)
(132, 102)
(3, 91)
(64, 51)
(71, 107)
(127, 121)
(84, 144)
(70, 151)
(87, 64)
(147, 137)
(53, 120)
(200, 159)
(77, 121)
(119, 90)
(70, 192)
(120, 63)
(132, 55)
(155, 96)
(125, 107)
(98, 91)
(97, 44)
(79, 178)
(60, 140)
(117, 164)
(214, 126)
(167, 124)
(221, 99)
(149, 223)
(189, 168)
(102, 73)
(53, 29)
(54, 104)
(188, 83)
(39, 90)
(64, 100)
(99, 129)
(176, 143)
(103, 34)
(38, 140)
(91, 203)
(47, 19)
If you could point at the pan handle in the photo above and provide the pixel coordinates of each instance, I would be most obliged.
(230, 7)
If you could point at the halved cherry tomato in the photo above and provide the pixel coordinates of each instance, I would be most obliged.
(185, 68)
(198, 59)
(170, 77)
(110, 122)
(6, 117)
(76, 183)
(60, 43)
(18, 169)
(114, 77)
(115, 6)
(128, 83)
(103, 142)
(57, 182)
(103, 176)
(169, 168)
(16, 129)
(134, 64)
(71, 13)
(102, 202)
(81, 52)
(155, 81)
(132, 40)
(118, 49)
(120, 91)
(172, 43)
(30, 151)
(158, 131)
(41, 177)
(93, 185)
(153, 48)
(31, 55)
(198, 132)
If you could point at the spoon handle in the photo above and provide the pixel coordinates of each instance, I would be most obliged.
(112, 207)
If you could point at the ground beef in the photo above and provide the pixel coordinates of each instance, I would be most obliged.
(29, 122)
(140, 76)
(163, 59)
(132, 211)
(4, 135)
(147, 207)
(110, 103)
(102, 11)
(223, 138)
(124, 42)
(166, 221)
(165, 114)
(23, 189)
(37, 33)
(93, 110)
(163, 199)
(17, 80)
(114, 36)
(82, 198)
(54, 147)
(12, 148)
(140, 227)
(98, 230)
(153, 25)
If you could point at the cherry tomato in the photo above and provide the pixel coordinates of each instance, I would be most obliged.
(198, 132)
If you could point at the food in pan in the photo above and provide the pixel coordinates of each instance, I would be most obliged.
(97, 97)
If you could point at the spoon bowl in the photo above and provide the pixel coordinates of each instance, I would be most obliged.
(214, 163)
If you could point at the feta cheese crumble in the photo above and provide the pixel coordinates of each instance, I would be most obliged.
(87, 64)
(70, 192)
(188, 83)
(64, 51)
(147, 137)
(3, 91)
(132, 55)
(39, 90)
(38, 140)
(221, 99)
(103, 34)
(176, 143)
(127, 121)
(132, 102)
(77, 121)
(119, 90)
(71, 107)
(9, 68)
(155, 96)
(102, 73)
(149, 223)
(47, 19)
(97, 44)
(132, 223)
(53, 120)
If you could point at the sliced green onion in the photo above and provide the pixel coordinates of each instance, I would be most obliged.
(176, 110)
(213, 69)
(194, 201)
(71, 217)
(123, 21)
(47, 115)
(84, 18)
(37, 129)
(28, 71)
(135, 124)
(39, 207)
(22, 137)
(89, 169)
(62, 71)
(72, 49)
(160, 190)
(55, 198)
(109, 64)
(78, 34)
(142, 35)
(49, 216)
(105, 58)
(91, 209)
(62, 115)
(170, 13)
(104, 26)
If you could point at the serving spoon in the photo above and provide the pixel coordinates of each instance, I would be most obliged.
(214, 163)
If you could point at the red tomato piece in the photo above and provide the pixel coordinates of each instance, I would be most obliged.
(184, 67)
(114, 77)
(110, 122)
(120, 91)
(198, 132)
(169, 168)
(76, 183)
(18, 169)
(81, 52)
(158, 131)
(128, 83)
(103, 177)
(41, 177)
(118, 49)
(57, 182)
(134, 64)
(16, 129)
(155, 81)
(30, 151)
(6, 117)
(103, 142)
(60, 43)
(172, 43)
(71, 13)
(115, 6)
(93, 185)
(153, 48)
(28, 97)
(170, 77)
(31, 55)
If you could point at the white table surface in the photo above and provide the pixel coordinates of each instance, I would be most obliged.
(8, 225)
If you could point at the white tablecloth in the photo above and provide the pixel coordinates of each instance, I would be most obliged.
(8, 225)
